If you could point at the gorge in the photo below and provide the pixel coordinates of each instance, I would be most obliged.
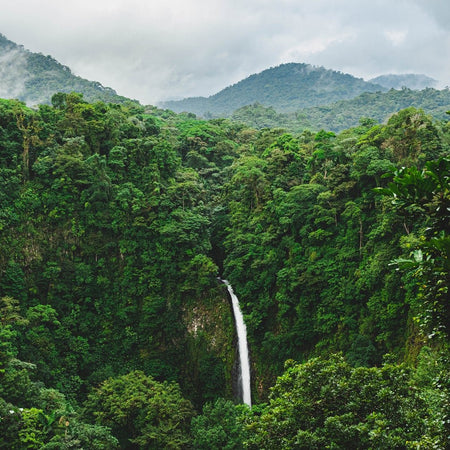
(116, 220)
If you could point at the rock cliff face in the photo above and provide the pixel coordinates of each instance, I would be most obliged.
(211, 346)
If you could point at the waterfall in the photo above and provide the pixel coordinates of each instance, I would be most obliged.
(241, 331)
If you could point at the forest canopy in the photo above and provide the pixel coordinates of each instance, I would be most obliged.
(117, 219)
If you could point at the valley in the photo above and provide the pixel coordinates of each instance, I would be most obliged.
(116, 220)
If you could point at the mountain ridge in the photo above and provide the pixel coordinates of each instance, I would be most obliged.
(287, 87)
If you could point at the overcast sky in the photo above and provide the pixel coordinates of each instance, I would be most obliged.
(153, 50)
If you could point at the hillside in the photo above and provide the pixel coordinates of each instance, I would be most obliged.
(343, 114)
(34, 78)
(115, 221)
(409, 80)
(287, 87)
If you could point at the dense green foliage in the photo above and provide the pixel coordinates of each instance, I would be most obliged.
(329, 404)
(287, 87)
(378, 106)
(142, 411)
(219, 427)
(34, 78)
(426, 193)
(115, 221)
(31, 415)
(310, 242)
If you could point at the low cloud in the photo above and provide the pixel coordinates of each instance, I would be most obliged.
(13, 74)
(154, 51)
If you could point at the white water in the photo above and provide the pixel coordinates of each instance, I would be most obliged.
(241, 330)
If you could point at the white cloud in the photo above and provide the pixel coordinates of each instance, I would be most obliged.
(397, 37)
(13, 74)
(152, 50)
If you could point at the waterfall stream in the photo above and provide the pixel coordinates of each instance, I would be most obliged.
(241, 331)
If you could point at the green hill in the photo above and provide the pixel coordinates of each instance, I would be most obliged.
(34, 78)
(287, 88)
(343, 114)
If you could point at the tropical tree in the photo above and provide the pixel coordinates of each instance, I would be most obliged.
(219, 426)
(142, 412)
(326, 403)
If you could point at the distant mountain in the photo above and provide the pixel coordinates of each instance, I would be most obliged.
(344, 114)
(34, 78)
(287, 87)
(409, 80)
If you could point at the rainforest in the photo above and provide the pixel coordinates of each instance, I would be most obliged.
(116, 221)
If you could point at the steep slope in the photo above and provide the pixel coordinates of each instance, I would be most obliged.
(408, 80)
(287, 87)
(34, 78)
